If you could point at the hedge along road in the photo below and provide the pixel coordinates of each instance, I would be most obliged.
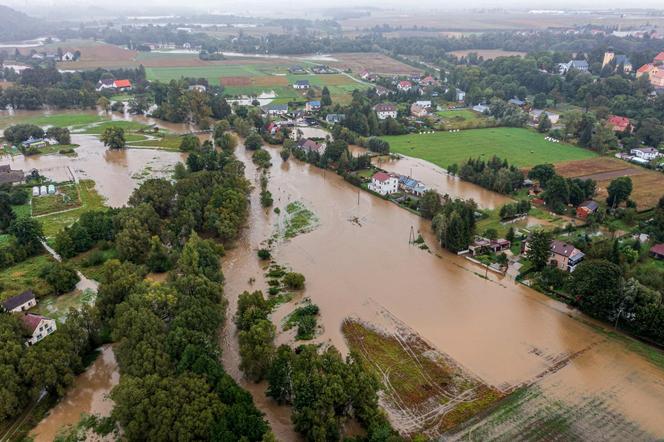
(358, 263)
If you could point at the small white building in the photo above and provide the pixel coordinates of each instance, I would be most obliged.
(68, 56)
(20, 303)
(385, 111)
(51, 189)
(38, 327)
(35, 191)
(43, 190)
(646, 153)
(301, 84)
(384, 183)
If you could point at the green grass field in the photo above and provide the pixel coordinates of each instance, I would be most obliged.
(90, 200)
(462, 114)
(25, 275)
(521, 147)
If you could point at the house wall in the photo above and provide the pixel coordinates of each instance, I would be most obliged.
(45, 328)
(21, 308)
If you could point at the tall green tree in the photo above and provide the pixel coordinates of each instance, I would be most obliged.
(539, 249)
(114, 137)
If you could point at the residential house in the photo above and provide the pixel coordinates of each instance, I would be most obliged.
(20, 303)
(334, 118)
(198, 88)
(34, 142)
(648, 68)
(481, 108)
(425, 103)
(617, 60)
(106, 83)
(312, 106)
(9, 176)
(297, 70)
(405, 86)
(483, 245)
(535, 115)
(618, 123)
(323, 69)
(276, 109)
(657, 251)
(38, 327)
(382, 91)
(412, 186)
(659, 57)
(385, 111)
(515, 101)
(68, 56)
(301, 84)
(384, 183)
(657, 79)
(122, 85)
(565, 256)
(646, 153)
(272, 128)
(429, 81)
(586, 208)
(418, 111)
(579, 65)
(309, 145)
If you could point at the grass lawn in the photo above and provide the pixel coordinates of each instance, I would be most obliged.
(124, 124)
(57, 307)
(90, 200)
(65, 120)
(522, 147)
(66, 198)
(169, 142)
(25, 275)
(23, 210)
(462, 114)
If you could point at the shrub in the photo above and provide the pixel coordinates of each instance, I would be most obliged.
(294, 280)
(264, 254)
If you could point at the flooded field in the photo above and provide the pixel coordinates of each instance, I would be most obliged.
(436, 178)
(116, 173)
(359, 264)
(87, 395)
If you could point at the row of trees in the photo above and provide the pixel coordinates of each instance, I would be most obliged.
(560, 191)
(495, 174)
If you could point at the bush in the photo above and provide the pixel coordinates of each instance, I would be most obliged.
(294, 280)
(61, 277)
(264, 254)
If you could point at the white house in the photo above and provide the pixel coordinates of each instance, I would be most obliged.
(20, 303)
(106, 83)
(301, 84)
(276, 109)
(385, 111)
(424, 103)
(535, 115)
(38, 326)
(384, 183)
(197, 87)
(68, 56)
(579, 65)
(646, 153)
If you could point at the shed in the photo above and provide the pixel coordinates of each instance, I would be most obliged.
(35, 191)
(51, 189)
(43, 190)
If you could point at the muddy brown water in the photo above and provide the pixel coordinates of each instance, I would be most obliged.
(89, 394)
(358, 263)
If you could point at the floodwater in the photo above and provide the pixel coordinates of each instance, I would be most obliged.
(116, 172)
(358, 263)
(436, 178)
(89, 394)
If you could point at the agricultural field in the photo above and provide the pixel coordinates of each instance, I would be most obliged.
(488, 54)
(61, 119)
(425, 391)
(374, 62)
(648, 185)
(66, 198)
(521, 147)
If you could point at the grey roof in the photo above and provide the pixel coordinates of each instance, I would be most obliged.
(335, 118)
(517, 101)
(622, 59)
(592, 205)
(578, 64)
(302, 82)
(8, 176)
(18, 300)
(276, 107)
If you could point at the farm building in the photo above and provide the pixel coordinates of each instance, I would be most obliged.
(657, 251)
(20, 303)
(586, 208)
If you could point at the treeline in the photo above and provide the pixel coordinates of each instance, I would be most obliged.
(496, 174)
(178, 104)
(36, 87)
(172, 385)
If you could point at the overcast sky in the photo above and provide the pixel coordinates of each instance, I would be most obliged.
(298, 7)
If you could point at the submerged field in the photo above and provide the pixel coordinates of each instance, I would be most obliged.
(521, 147)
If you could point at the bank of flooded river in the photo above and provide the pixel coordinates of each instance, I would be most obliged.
(359, 264)
(88, 394)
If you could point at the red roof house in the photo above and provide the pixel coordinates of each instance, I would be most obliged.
(122, 84)
(618, 124)
(405, 85)
(659, 57)
(657, 251)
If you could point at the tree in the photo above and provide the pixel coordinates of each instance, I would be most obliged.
(257, 349)
(28, 233)
(539, 249)
(557, 194)
(114, 137)
(542, 173)
(278, 376)
(190, 143)
(227, 142)
(596, 283)
(159, 193)
(21, 132)
(133, 241)
(61, 277)
(325, 99)
(104, 103)
(7, 215)
(60, 134)
(539, 102)
(253, 141)
(429, 204)
(158, 259)
(294, 280)
(619, 190)
(603, 139)
(544, 123)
